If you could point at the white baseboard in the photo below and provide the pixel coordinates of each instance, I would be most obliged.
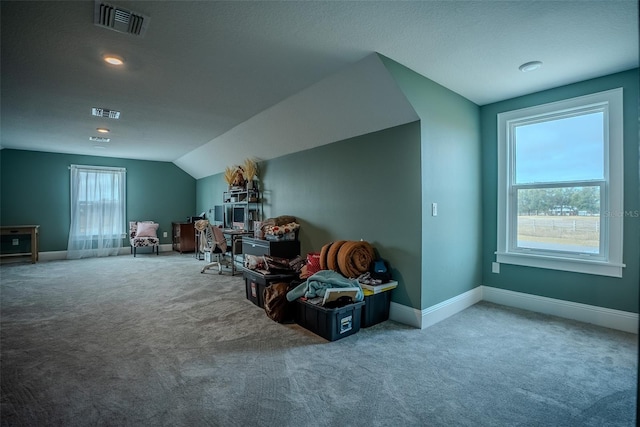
(430, 316)
(439, 312)
(606, 317)
(406, 315)
(125, 250)
(609, 318)
(52, 256)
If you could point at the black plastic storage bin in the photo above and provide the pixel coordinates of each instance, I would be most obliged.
(256, 283)
(376, 308)
(282, 249)
(330, 323)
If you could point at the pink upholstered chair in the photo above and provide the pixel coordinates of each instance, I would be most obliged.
(144, 234)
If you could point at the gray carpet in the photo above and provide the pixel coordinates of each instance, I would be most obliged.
(150, 341)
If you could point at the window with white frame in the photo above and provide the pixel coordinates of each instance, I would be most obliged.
(560, 185)
(98, 208)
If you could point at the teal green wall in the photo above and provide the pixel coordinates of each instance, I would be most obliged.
(367, 187)
(450, 174)
(615, 293)
(34, 189)
(209, 193)
(379, 187)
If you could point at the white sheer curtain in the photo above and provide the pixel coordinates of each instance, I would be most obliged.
(98, 211)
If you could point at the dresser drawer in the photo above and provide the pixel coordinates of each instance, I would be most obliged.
(283, 249)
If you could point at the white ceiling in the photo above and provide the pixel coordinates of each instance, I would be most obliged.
(204, 68)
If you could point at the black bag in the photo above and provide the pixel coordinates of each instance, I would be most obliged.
(380, 270)
(276, 305)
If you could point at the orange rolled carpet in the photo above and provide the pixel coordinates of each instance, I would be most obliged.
(332, 255)
(355, 258)
(323, 255)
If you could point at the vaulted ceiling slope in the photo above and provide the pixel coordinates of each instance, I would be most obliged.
(362, 98)
(204, 69)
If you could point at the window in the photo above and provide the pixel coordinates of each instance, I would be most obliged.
(560, 181)
(98, 206)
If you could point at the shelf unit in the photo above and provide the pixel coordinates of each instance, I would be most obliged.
(246, 201)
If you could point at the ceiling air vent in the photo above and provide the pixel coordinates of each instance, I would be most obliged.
(99, 139)
(119, 19)
(104, 112)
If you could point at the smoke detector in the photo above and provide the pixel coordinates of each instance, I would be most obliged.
(119, 19)
(105, 112)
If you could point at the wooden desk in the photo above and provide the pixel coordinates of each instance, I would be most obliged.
(21, 230)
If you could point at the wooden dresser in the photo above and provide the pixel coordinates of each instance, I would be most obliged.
(184, 236)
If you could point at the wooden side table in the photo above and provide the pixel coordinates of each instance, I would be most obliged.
(22, 230)
(184, 239)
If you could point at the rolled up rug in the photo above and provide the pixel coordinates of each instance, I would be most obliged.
(323, 256)
(355, 257)
(332, 255)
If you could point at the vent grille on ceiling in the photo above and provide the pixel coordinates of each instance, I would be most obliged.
(99, 139)
(119, 19)
(104, 112)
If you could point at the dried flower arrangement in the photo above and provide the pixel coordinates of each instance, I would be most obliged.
(229, 174)
(250, 168)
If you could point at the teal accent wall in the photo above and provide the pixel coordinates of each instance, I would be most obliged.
(379, 187)
(450, 175)
(614, 293)
(367, 187)
(34, 189)
(209, 193)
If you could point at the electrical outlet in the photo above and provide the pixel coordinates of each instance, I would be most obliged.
(164, 234)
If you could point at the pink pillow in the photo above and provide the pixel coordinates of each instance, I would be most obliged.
(147, 229)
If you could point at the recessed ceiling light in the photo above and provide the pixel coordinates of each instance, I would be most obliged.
(113, 60)
(103, 130)
(530, 66)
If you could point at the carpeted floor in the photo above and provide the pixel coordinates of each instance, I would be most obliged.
(150, 341)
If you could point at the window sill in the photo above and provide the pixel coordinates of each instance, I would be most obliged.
(600, 268)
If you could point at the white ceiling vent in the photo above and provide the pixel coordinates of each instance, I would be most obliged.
(99, 139)
(104, 112)
(119, 19)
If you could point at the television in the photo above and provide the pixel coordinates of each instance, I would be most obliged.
(238, 217)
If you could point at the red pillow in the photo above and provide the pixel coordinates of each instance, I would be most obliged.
(147, 229)
(313, 263)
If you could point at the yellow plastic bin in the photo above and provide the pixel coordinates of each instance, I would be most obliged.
(377, 300)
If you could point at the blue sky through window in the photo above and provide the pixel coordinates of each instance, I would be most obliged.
(566, 149)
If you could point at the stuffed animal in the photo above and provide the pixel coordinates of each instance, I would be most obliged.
(238, 178)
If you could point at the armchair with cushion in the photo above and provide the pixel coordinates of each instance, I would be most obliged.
(144, 234)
